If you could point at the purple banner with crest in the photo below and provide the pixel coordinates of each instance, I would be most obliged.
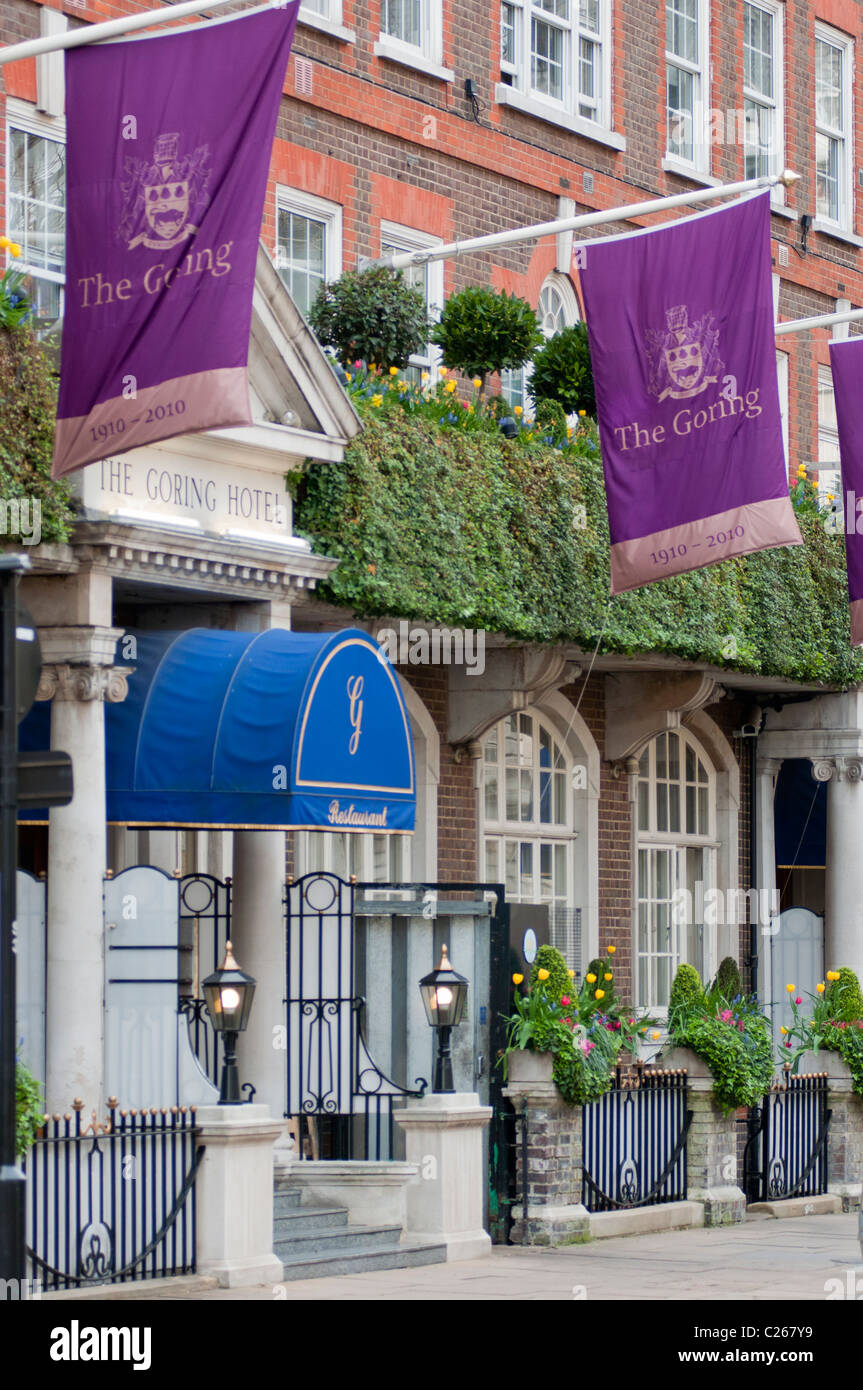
(846, 364)
(680, 320)
(169, 143)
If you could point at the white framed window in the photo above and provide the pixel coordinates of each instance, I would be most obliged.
(308, 243)
(763, 94)
(829, 474)
(526, 817)
(557, 309)
(370, 858)
(687, 82)
(676, 850)
(427, 277)
(326, 15)
(834, 54)
(782, 382)
(555, 60)
(412, 33)
(36, 205)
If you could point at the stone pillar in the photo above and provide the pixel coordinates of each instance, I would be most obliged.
(766, 772)
(845, 1135)
(711, 1149)
(555, 1213)
(75, 970)
(843, 907)
(444, 1137)
(258, 937)
(235, 1195)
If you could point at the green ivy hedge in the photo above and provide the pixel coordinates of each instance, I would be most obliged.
(28, 407)
(460, 527)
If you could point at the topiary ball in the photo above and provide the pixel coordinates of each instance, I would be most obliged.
(728, 980)
(558, 983)
(687, 992)
(849, 996)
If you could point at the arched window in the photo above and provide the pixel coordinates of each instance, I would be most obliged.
(526, 819)
(557, 309)
(676, 853)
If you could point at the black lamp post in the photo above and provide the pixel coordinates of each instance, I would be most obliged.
(444, 994)
(228, 993)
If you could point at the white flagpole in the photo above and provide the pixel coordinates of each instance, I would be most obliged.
(113, 28)
(819, 321)
(588, 219)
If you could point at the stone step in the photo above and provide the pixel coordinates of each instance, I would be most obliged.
(286, 1197)
(307, 1220)
(336, 1243)
(363, 1262)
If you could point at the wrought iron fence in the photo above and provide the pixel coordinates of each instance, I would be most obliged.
(787, 1155)
(112, 1201)
(635, 1141)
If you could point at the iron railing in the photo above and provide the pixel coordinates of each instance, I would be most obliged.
(112, 1201)
(634, 1141)
(787, 1155)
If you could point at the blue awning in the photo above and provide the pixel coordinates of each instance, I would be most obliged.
(259, 730)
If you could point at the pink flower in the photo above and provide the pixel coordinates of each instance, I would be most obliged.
(586, 1046)
(357, 365)
(567, 1020)
(617, 1024)
(632, 1020)
(726, 1015)
(741, 1025)
(787, 1042)
(564, 999)
(798, 1000)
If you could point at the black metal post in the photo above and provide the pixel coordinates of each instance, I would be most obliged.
(443, 1082)
(12, 1185)
(230, 1091)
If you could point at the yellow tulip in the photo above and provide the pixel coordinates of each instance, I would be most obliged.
(442, 371)
(655, 1037)
(542, 974)
(571, 974)
(377, 400)
(394, 371)
(517, 979)
(591, 979)
(372, 367)
(582, 412)
(783, 1029)
(477, 382)
(608, 977)
(450, 387)
(15, 249)
(5, 243)
(517, 410)
(611, 950)
(599, 994)
(833, 975)
(790, 988)
(820, 987)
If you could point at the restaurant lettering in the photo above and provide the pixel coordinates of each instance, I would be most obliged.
(338, 815)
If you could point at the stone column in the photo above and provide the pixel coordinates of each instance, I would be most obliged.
(258, 937)
(843, 908)
(711, 1149)
(444, 1136)
(235, 1195)
(845, 1135)
(555, 1214)
(75, 983)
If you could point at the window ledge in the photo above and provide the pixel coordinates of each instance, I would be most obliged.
(782, 211)
(411, 58)
(555, 115)
(688, 171)
(838, 233)
(326, 26)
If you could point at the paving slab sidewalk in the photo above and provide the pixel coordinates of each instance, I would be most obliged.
(761, 1259)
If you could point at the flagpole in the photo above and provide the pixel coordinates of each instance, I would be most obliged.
(819, 321)
(588, 219)
(114, 28)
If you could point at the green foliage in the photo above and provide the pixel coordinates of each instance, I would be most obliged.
(559, 983)
(687, 994)
(29, 1108)
(562, 372)
(27, 416)
(483, 330)
(372, 315)
(448, 522)
(728, 981)
(14, 304)
(849, 999)
(735, 1041)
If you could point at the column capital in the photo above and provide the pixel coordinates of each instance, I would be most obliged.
(838, 769)
(768, 767)
(61, 681)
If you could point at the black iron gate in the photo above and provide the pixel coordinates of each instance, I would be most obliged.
(635, 1141)
(114, 1200)
(358, 1045)
(787, 1152)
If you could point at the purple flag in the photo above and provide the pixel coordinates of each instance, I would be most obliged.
(680, 320)
(169, 143)
(846, 363)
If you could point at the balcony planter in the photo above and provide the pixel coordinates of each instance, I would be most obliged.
(528, 1067)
